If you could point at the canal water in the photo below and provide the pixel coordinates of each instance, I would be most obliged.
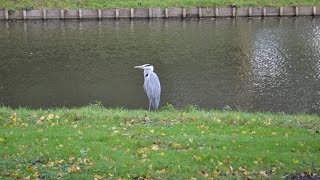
(270, 64)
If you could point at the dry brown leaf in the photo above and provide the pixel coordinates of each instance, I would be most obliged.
(203, 172)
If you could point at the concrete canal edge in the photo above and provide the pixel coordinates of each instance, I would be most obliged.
(199, 12)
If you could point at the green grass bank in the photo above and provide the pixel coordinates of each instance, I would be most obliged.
(98, 143)
(102, 4)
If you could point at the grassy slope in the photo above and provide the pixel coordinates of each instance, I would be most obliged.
(96, 142)
(94, 4)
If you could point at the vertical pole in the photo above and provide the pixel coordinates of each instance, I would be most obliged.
(62, 14)
(200, 12)
(131, 13)
(296, 11)
(150, 13)
(24, 14)
(217, 12)
(166, 13)
(314, 11)
(6, 14)
(184, 12)
(117, 13)
(99, 14)
(44, 14)
(233, 12)
(80, 14)
(264, 12)
(281, 11)
(249, 11)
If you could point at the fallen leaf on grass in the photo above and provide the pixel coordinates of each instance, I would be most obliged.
(1, 140)
(97, 177)
(176, 145)
(146, 118)
(71, 156)
(74, 169)
(263, 173)
(231, 169)
(155, 147)
(59, 175)
(78, 117)
(14, 115)
(203, 173)
(242, 170)
(165, 171)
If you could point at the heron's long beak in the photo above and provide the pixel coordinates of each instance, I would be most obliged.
(139, 67)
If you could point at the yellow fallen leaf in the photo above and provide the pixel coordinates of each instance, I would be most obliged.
(164, 171)
(14, 115)
(50, 116)
(61, 161)
(31, 168)
(97, 177)
(295, 161)
(155, 147)
(176, 145)
(50, 163)
(197, 157)
(74, 169)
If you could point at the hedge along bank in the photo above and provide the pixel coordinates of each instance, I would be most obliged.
(227, 12)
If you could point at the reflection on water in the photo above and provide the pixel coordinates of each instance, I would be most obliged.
(248, 64)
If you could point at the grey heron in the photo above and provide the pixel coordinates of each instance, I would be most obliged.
(151, 85)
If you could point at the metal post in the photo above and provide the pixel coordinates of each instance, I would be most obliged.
(117, 13)
(166, 12)
(184, 12)
(131, 13)
(80, 14)
(99, 14)
(44, 14)
(200, 12)
(281, 11)
(249, 11)
(62, 14)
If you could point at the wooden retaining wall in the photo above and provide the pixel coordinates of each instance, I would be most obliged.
(159, 13)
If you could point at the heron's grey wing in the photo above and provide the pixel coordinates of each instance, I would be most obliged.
(153, 89)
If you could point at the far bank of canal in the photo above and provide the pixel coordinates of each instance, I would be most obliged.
(133, 13)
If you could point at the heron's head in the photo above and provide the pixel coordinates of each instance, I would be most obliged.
(145, 67)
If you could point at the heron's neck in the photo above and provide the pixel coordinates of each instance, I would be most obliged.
(147, 71)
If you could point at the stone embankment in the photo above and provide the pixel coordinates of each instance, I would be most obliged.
(132, 13)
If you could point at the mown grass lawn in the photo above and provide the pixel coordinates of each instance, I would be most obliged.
(99, 143)
(95, 4)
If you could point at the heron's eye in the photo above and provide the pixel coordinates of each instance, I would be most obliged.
(147, 75)
(148, 65)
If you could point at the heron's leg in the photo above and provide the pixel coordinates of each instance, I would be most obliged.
(149, 105)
